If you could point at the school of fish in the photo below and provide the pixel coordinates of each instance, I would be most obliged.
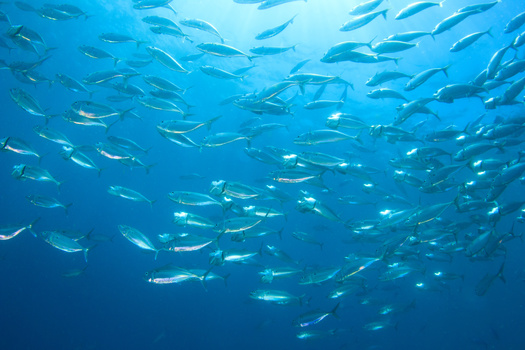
(453, 182)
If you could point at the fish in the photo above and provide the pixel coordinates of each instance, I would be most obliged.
(23, 172)
(47, 202)
(223, 138)
(269, 33)
(317, 137)
(219, 73)
(452, 21)
(27, 102)
(176, 32)
(97, 53)
(486, 282)
(166, 59)
(415, 8)
(65, 243)
(278, 297)
(11, 231)
(192, 198)
(365, 7)
(222, 50)
(201, 25)
(468, 40)
(314, 317)
(17, 145)
(130, 194)
(266, 4)
(362, 20)
(271, 50)
(137, 238)
(116, 38)
(423, 76)
(71, 153)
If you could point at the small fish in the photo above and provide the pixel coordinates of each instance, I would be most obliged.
(314, 317)
(138, 238)
(11, 231)
(202, 25)
(115, 38)
(47, 202)
(127, 193)
(274, 31)
(417, 7)
(64, 243)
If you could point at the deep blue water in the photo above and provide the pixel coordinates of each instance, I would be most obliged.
(110, 305)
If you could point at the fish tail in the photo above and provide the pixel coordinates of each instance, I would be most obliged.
(384, 13)
(441, 3)
(333, 312)
(139, 42)
(225, 279)
(444, 69)
(369, 44)
(500, 273)
(203, 278)
(86, 251)
(66, 208)
(30, 226)
(211, 121)
(151, 203)
(115, 61)
(156, 253)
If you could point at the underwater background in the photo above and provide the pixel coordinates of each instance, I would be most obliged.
(49, 301)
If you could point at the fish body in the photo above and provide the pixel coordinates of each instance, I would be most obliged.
(192, 198)
(192, 220)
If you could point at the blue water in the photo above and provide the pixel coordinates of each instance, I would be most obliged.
(111, 306)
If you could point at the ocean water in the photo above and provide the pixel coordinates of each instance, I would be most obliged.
(111, 305)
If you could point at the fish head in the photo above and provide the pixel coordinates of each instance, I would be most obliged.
(217, 187)
(3, 142)
(18, 171)
(149, 276)
(216, 257)
(180, 218)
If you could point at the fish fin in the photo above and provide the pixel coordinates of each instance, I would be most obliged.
(157, 253)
